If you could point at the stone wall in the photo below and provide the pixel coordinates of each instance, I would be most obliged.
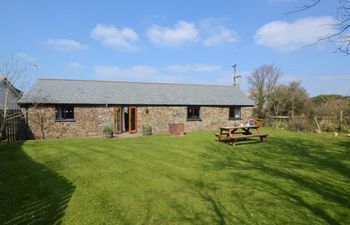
(90, 120)
(211, 117)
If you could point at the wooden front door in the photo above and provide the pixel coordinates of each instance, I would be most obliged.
(132, 120)
(117, 120)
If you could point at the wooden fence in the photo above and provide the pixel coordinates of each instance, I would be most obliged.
(16, 127)
(322, 122)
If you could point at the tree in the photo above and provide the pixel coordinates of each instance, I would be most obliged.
(340, 39)
(331, 105)
(278, 101)
(262, 83)
(299, 102)
(291, 99)
(319, 99)
(334, 107)
(13, 73)
(39, 113)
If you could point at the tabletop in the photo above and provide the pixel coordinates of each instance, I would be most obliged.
(238, 127)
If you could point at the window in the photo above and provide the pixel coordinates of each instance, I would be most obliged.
(64, 113)
(235, 113)
(193, 113)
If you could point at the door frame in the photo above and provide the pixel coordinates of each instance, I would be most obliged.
(130, 117)
(121, 119)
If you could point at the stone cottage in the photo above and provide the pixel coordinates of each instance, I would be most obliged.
(57, 108)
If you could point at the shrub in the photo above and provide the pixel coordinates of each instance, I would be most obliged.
(300, 124)
(107, 129)
(328, 126)
(346, 129)
(268, 121)
(279, 124)
(146, 127)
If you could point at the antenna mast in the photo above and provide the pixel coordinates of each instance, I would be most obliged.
(235, 76)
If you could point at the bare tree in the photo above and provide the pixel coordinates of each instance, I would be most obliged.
(262, 83)
(12, 73)
(15, 74)
(340, 39)
(38, 112)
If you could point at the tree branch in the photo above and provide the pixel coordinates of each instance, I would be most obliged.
(304, 7)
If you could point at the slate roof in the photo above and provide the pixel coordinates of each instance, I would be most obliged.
(57, 91)
(13, 96)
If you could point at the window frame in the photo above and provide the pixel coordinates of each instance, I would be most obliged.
(232, 110)
(64, 117)
(197, 118)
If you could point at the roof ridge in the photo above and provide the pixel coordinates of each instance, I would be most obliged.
(134, 82)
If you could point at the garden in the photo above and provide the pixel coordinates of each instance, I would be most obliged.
(291, 178)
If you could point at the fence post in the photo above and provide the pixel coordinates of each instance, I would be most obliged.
(318, 125)
(341, 120)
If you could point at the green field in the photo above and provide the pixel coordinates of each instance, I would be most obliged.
(291, 178)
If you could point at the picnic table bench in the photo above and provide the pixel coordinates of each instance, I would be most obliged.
(235, 134)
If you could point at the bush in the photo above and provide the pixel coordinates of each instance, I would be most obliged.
(107, 129)
(279, 124)
(300, 124)
(346, 129)
(328, 126)
(268, 121)
(146, 127)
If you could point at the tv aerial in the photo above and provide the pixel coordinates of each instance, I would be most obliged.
(235, 76)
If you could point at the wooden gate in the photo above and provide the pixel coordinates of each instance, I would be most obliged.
(16, 127)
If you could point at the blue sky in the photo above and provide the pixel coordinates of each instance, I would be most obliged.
(174, 41)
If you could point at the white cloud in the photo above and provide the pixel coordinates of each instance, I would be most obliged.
(65, 44)
(221, 35)
(289, 36)
(75, 67)
(25, 57)
(196, 68)
(135, 73)
(173, 73)
(208, 32)
(214, 33)
(182, 33)
(117, 72)
(117, 38)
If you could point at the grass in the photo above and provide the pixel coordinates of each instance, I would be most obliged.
(291, 178)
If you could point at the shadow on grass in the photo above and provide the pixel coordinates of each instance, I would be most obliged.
(217, 213)
(299, 162)
(30, 193)
(242, 142)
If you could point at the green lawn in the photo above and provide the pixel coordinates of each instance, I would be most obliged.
(291, 178)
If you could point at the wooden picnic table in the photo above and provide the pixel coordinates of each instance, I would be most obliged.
(238, 133)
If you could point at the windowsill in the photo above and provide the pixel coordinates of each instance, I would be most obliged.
(194, 119)
(65, 120)
(231, 118)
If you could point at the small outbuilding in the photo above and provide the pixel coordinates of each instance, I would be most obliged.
(9, 95)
